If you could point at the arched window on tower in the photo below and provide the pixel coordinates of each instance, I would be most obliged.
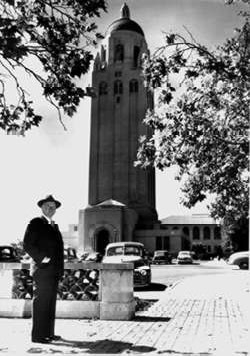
(103, 88)
(136, 56)
(103, 54)
(119, 53)
(118, 87)
(133, 86)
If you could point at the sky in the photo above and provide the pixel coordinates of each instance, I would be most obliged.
(50, 160)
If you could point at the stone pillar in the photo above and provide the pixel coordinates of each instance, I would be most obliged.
(6, 278)
(18, 308)
(115, 302)
(175, 241)
(117, 285)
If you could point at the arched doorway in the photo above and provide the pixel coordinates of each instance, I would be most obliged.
(102, 239)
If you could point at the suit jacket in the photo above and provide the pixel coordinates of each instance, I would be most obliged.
(44, 240)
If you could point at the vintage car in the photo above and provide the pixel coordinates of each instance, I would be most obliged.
(161, 257)
(94, 257)
(70, 254)
(240, 259)
(184, 257)
(8, 254)
(130, 252)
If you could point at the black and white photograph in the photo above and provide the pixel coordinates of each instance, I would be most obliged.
(124, 184)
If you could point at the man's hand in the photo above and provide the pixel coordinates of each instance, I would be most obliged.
(46, 259)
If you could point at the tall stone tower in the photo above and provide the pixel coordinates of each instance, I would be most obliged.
(121, 196)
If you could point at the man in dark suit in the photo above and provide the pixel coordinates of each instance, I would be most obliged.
(43, 242)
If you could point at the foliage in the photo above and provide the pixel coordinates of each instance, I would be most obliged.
(18, 246)
(202, 126)
(56, 34)
(238, 234)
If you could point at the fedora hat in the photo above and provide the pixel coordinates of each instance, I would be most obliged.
(48, 198)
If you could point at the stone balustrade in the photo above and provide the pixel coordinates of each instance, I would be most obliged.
(87, 290)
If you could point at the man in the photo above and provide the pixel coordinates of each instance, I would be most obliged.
(43, 242)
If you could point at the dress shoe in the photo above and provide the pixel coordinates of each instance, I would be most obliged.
(41, 340)
(55, 337)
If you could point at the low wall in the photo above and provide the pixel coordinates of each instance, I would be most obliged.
(87, 290)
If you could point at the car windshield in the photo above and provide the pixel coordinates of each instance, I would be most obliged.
(114, 251)
(161, 254)
(133, 250)
(6, 252)
(125, 250)
(72, 253)
(184, 254)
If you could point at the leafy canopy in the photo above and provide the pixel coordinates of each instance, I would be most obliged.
(56, 34)
(201, 125)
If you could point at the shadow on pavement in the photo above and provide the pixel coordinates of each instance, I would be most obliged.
(153, 287)
(92, 347)
(146, 318)
(144, 304)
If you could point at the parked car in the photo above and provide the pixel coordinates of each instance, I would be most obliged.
(83, 256)
(162, 257)
(8, 254)
(70, 254)
(93, 257)
(184, 257)
(240, 259)
(130, 252)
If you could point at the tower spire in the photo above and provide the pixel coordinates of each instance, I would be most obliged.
(125, 13)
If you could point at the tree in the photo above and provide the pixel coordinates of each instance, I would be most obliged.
(56, 35)
(202, 127)
(18, 246)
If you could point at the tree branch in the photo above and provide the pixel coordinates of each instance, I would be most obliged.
(19, 88)
(58, 110)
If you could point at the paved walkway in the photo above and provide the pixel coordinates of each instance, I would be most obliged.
(199, 316)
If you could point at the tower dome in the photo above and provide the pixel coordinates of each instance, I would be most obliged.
(124, 23)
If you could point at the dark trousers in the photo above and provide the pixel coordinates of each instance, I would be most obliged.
(44, 304)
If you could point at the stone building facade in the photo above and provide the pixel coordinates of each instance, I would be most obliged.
(198, 232)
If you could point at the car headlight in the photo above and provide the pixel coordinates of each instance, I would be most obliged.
(143, 272)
